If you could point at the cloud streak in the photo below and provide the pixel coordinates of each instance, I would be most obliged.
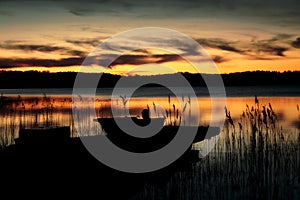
(84, 42)
(14, 45)
(219, 59)
(77, 61)
(145, 59)
(276, 45)
(14, 63)
(273, 50)
(218, 43)
(25, 47)
(268, 49)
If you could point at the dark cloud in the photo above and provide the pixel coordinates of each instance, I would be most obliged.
(278, 51)
(76, 61)
(89, 42)
(144, 51)
(273, 46)
(15, 45)
(77, 53)
(167, 58)
(40, 48)
(219, 59)
(296, 43)
(219, 43)
(262, 47)
(65, 62)
(105, 60)
(25, 47)
(145, 59)
(229, 48)
(277, 45)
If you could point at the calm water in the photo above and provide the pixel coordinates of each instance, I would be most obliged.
(235, 91)
(39, 107)
(257, 156)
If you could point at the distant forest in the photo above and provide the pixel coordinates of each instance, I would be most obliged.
(35, 79)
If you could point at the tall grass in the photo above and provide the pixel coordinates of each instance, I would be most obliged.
(175, 112)
(179, 113)
(28, 112)
(254, 158)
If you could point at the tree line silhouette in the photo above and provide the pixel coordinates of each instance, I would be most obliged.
(36, 79)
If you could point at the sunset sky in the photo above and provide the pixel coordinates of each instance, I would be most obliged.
(239, 35)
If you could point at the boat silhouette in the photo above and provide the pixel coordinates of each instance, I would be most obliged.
(164, 136)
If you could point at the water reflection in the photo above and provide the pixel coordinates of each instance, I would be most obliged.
(256, 156)
(29, 111)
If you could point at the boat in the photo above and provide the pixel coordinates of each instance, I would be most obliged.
(149, 144)
(43, 135)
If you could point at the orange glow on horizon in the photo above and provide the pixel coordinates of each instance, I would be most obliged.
(230, 63)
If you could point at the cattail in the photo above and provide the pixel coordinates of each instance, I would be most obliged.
(228, 116)
(251, 115)
(297, 107)
(264, 115)
(270, 106)
(169, 99)
(174, 108)
(230, 119)
(154, 107)
(240, 125)
(184, 108)
(256, 100)
(226, 113)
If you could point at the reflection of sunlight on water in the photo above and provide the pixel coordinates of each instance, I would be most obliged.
(282, 123)
(256, 156)
(45, 110)
(262, 161)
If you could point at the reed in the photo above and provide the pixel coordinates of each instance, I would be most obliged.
(28, 112)
(253, 159)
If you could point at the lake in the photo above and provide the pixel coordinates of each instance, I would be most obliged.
(33, 107)
(256, 156)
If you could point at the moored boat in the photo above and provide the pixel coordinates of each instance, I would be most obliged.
(165, 135)
(43, 135)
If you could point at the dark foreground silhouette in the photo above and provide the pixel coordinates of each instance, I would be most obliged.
(53, 162)
(155, 142)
